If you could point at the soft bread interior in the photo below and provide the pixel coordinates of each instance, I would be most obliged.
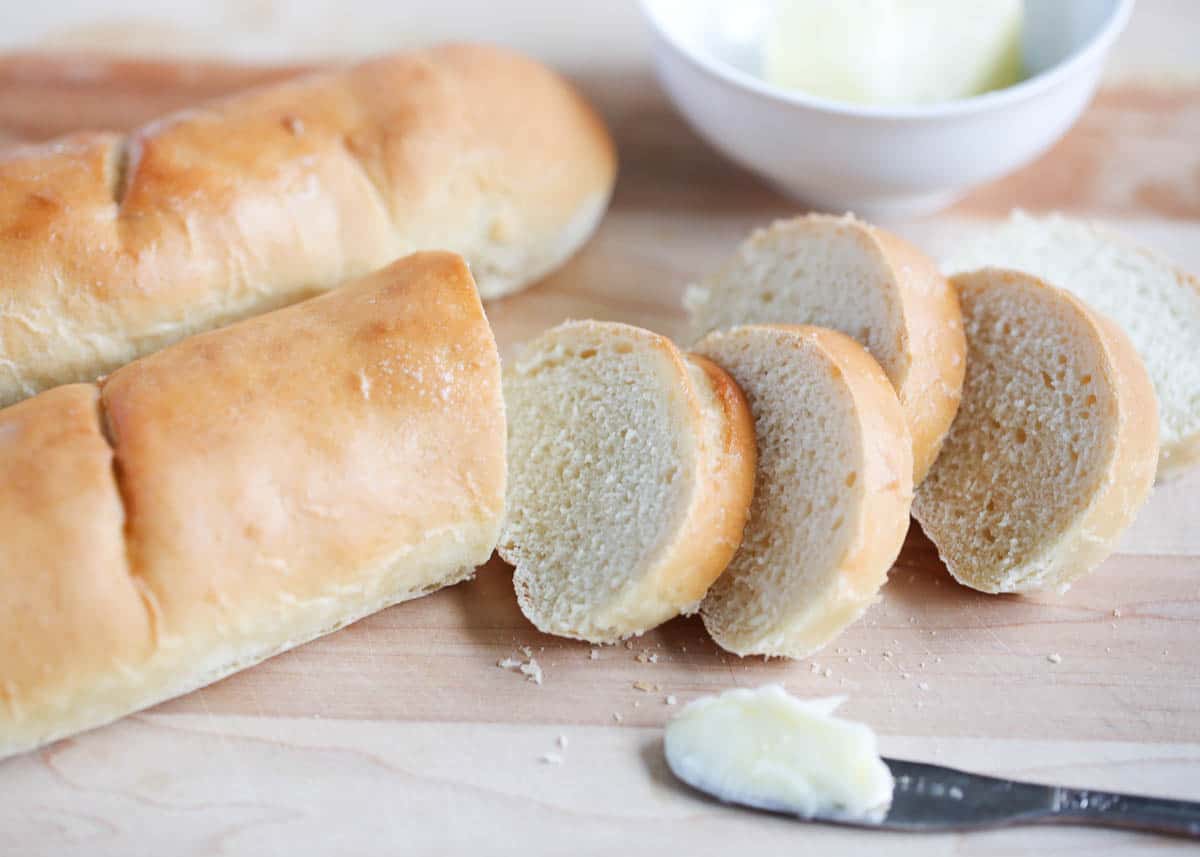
(823, 271)
(801, 574)
(604, 445)
(1156, 305)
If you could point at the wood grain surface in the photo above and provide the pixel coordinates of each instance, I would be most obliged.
(400, 735)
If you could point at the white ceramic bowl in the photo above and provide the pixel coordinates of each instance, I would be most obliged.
(876, 161)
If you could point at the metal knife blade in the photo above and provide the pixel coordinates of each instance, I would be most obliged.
(933, 798)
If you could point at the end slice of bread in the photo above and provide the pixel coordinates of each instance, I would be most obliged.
(841, 273)
(631, 468)
(833, 491)
(1055, 443)
(1156, 304)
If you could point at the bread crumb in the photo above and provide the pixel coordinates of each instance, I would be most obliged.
(526, 651)
(551, 759)
(923, 685)
(814, 667)
(906, 675)
(629, 644)
(887, 653)
(828, 672)
(1116, 612)
(532, 671)
(617, 716)
(594, 654)
(562, 742)
(643, 686)
(647, 657)
(1054, 658)
(671, 700)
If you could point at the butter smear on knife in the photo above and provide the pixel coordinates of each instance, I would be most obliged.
(768, 749)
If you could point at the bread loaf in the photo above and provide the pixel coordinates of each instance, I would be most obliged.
(242, 492)
(842, 273)
(112, 247)
(1055, 444)
(832, 493)
(632, 468)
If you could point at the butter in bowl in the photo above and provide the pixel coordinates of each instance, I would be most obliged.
(883, 107)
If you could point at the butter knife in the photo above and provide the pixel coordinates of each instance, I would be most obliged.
(932, 799)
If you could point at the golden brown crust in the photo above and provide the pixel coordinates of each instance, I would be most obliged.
(1136, 449)
(266, 483)
(113, 248)
(726, 481)
(931, 389)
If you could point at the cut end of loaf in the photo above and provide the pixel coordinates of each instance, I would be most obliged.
(1046, 462)
(832, 494)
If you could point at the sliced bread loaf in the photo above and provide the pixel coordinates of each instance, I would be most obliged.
(841, 273)
(1055, 443)
(631, 472)
(1157, 305)
(833, 490)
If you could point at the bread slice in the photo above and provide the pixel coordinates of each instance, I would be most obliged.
(842, 273)
(1055, 443)
(632, 468)
(1157, 305)
(833, 489)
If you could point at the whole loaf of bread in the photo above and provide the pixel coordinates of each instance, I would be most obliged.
(114, 246)
(242, 492)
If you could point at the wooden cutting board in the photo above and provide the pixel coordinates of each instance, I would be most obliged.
(401, 735)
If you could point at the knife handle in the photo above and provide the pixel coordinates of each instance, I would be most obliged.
(1108, 809)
